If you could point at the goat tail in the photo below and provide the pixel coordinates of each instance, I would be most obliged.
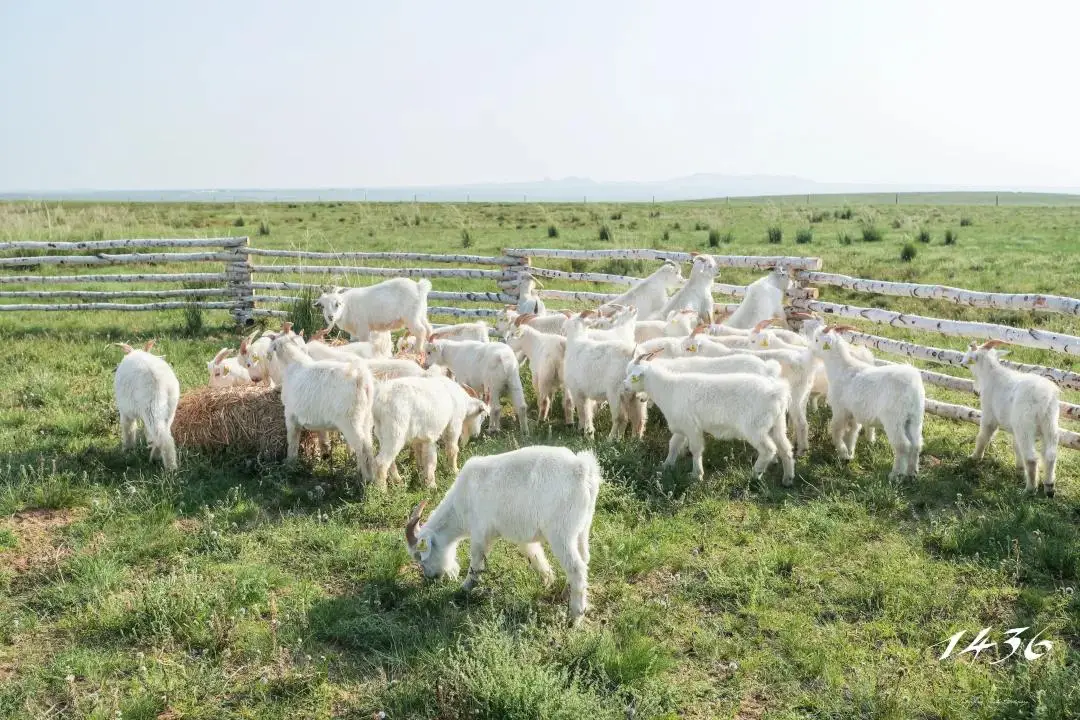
(590, 473)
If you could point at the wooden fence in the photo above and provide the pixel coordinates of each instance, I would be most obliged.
(251, 291)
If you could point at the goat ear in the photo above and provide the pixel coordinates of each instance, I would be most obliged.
(149, 345)
(125, 347)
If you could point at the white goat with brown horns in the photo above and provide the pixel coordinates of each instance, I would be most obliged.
(649, 294)
(526, 496)
(1021, 403)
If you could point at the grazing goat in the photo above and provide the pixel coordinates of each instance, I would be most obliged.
(525, 496)
(147, 391)
(1021, 403)
(253, 356)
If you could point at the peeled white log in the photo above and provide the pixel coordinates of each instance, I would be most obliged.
(986, 331)
(118, 306)
(1007, 301)
(424, 257)
(116, 277)
(741, 261)
(376, 272)
(116, 259)
(116, 294)
(90, 245)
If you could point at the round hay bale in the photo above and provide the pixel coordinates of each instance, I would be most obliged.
(246, 420)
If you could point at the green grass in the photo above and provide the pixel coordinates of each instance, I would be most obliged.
(238, 589)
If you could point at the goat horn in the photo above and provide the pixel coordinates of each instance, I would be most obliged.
(700, 328)
(470, 391)
(843, 328)
(149, 345)
(567, 313)
(125, 347)
(990, 344)
(762, 325)
(414, 520)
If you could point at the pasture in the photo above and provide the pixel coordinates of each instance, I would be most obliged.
(235, 588)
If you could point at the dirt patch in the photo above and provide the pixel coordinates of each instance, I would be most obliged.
(752, 707)
(187, 525)
(37, 543)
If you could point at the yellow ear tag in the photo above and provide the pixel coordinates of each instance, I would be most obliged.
(765, 342)
(225, 370)
(422, 546)
(826, 346)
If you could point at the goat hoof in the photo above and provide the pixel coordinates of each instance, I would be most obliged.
(788, 482)
(1050, 492)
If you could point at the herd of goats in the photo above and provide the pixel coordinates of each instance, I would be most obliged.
(736, 379)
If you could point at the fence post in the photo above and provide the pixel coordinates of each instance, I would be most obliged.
(238, 268)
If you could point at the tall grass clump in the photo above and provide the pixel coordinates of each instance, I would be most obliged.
(804, 236)
(605, 233)
(950, 237)
(304, 315)
(965, 222)
(194, 318)
(665, 236)
(844, 214)
(816, 217)
(908, 253)
(264, 227)
(775, 235)
(239, 222)
(714, 238)
(616, 215)
(553, 232)
(466, 239)
(870, 233)
(924, 236)
(843, 238)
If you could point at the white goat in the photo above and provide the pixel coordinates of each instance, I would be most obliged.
(1021, 403)
(323, 395)
(478, 331)
(799, 369)
(546, 354)
(147, 391)
(528, 298)
(226, 371)
(525, 496)
(385, 306)
(891, 396)
(696, 294)
(419, 411)
(764, 300)
(254, 356)
(649, 294)
(679, 324)
(491, 366)
(378, 345)
(736, 406)
(594, 369)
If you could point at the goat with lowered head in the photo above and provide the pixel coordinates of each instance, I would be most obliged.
(649, 294)
(147, 391)
(891, 396)
(526, 496)
(253, 357)
(226, 371)
(1021, 403)
(385, 306)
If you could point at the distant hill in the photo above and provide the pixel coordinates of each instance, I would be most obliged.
(702, 186)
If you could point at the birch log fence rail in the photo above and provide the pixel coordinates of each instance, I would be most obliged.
(235, 288)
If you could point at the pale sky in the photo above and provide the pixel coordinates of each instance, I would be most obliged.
(340, 93)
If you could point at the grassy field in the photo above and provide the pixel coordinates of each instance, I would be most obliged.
(234, 589)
